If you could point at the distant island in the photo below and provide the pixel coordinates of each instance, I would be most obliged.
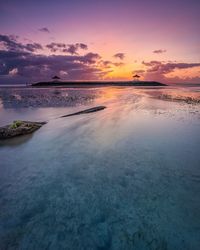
(56, 81)
(96, 83)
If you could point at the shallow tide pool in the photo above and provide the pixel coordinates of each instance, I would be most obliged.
(127, 177)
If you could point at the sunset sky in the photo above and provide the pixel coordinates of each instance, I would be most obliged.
(100, 40)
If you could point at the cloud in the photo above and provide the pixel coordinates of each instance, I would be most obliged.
(166, 68)
(120, 56)
(91, 57)
(109, 64)
(20, 63)
(105, 63)
(83, 46)
(33, 47)
(158, 71)
(10, 43)
(140, 71)
(73, 48)
(120, 64)
(13, 72)
(44, 29)
(53, 47)
(23, 66)
(67, 48)
(159, 51)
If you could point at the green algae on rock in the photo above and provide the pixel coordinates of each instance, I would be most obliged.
(18, 128)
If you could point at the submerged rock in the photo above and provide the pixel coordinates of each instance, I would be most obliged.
(19, 128)
(86, 111)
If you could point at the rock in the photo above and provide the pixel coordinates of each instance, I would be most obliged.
(19, 128)
(95, 109)
(26, 127)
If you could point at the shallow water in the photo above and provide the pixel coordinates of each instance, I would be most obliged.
(127, 177)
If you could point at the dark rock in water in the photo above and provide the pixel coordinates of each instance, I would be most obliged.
(19, 128)
(95, 109)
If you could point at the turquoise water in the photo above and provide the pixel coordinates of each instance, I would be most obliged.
(127, 177)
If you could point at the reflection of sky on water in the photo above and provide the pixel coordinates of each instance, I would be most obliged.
(126, 177)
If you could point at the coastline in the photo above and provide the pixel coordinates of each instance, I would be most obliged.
(96, 83)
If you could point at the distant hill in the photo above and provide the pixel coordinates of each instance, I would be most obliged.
(97, 83)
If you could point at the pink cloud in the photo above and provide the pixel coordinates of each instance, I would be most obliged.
(159, 51)
(120, 56)
(158, 71)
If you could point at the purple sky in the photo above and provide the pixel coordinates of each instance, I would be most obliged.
(80, 40)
